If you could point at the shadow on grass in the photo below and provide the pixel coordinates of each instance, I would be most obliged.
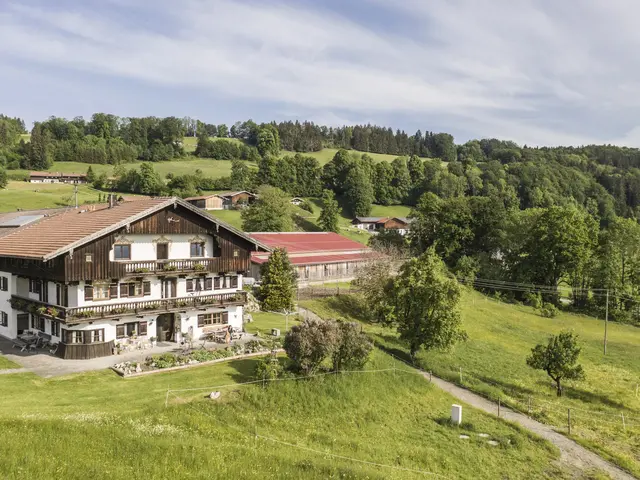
(506, 387)
(305, 224)
(244, 369)
(348, 305)
(590, 397)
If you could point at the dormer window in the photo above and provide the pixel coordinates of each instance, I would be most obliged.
(197, 249)
(122, 252)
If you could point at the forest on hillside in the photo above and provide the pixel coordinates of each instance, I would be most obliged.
(491, 209)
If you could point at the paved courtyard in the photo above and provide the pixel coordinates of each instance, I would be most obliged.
(45, 364)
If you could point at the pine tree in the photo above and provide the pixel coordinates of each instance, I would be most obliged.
(278, 282)
(39, 153)
(328, 219)
(91, 176)
(358, 193)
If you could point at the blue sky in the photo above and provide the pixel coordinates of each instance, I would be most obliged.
(538, 72)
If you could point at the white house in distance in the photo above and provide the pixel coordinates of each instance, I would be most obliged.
(148, 268)
(377, 224)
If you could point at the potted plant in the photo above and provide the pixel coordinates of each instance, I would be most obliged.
(198, 267)
(134, 335)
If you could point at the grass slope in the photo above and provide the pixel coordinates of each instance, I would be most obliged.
(493, 363)
(35, 196)
(6, 364)
(105, 427)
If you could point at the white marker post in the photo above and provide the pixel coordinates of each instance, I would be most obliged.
(456, 414)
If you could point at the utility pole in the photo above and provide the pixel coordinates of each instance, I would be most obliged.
(606, 320)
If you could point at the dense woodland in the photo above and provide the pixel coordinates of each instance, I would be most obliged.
(490, 208)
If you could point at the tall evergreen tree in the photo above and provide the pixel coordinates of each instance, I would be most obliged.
(278, 282)
(358, 195)
(328, 219)
(40, 148)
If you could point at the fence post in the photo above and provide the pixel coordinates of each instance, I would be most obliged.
(429, 376)
(166, 399)
(498, 407)
(624, 426)
(569, 420)
(637, 389)
(460, 375)
(263, 381)
(529, 405)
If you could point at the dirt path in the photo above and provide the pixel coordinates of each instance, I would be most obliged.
(571, 453)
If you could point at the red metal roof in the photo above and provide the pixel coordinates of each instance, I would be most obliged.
(315, 259)
(308, 242)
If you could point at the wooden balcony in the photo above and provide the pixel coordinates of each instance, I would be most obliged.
(168, 267)
(115, 310)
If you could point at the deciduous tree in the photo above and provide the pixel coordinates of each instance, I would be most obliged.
(271, 212)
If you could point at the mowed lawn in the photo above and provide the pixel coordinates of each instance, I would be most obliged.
(100, 426)
(493, 362)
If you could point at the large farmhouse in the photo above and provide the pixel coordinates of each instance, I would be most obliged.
(149, 268)
(316, 256)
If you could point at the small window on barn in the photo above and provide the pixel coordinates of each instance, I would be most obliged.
(236, 252)
(88, 258)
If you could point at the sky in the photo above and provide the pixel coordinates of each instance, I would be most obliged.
(542, 72)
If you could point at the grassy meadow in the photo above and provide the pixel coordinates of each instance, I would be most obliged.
(6, 364)
(493, 363)
(41, 195)
(101, 426)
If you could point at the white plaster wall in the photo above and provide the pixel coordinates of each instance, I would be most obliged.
(190, 319)
(143, 248)
(11, 330)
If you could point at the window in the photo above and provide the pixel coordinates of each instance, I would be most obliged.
(62, 294)
(34, 286)
(189, 285)
(132, 289)
(4, 319)
(120, 332)
(37, 323)
(236, 252)
(234, 282)
(88, 258)
(208, 283)
(97, 336)
(55, 328)
(127, 329)
(197, 249)
(196, 284)
(131, 328)
(162, 251)
(122, 252)
(4, 284)
(217, 283)
(101, 291)
(217, 318)
(75, 337)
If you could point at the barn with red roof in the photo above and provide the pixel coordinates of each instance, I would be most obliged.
(316, 256)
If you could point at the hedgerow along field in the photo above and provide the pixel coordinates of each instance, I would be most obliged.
(492, 363)
(98, 425)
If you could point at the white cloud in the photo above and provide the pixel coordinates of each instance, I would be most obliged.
(537, 72)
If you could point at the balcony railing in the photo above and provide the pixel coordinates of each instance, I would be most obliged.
(115, 310)
(156, 267)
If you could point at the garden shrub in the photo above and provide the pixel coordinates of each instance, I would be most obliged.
(549, 310)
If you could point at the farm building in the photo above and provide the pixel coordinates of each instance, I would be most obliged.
(57, 177)
(296, 201)
(316, 256)
(235, 199)
(376, 224)
(207, 202)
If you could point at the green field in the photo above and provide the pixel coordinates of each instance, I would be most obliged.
(33, 196)
(264, 322)
(326, 155)
(6, 364)
(493, 364)
(100, 426)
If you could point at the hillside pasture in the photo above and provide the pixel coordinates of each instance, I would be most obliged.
(325, 427)
(492, 362)
(33, 196)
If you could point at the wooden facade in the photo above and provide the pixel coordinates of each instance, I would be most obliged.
(84, 351)
(234, 251)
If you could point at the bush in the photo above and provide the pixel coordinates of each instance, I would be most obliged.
(306, 206)
(165, 360)
(309, 343)
(548, 310)
(354, 348)
(268, 368)
(533, 299)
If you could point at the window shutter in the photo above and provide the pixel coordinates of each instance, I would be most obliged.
(88, 292)
(142, 328)
(208, 283)
(189, 285)
(113, 290)
(234, 282)
(86, 336)
(216, 283)
(146, 288)
(225, 317)
(124, 290)
(66, 334)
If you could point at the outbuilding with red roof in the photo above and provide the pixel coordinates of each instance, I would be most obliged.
(316, 256)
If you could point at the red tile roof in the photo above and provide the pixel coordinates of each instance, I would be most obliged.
(308, 242)
(315, 259)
